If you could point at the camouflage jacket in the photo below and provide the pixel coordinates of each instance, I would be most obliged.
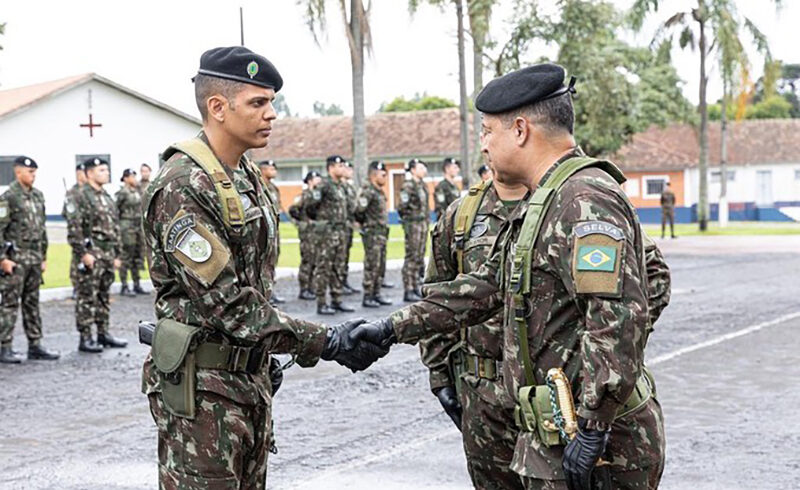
(445, 193)
(667, 199)
(370, 210)
(219, 277)
(22, 222)
(129, 207)
(94, 218)
(298, 211)
(591, 323)
(352, 198)
(484, 340)
(275, 197)
(143, 185)
(414, 201)
(329, 204)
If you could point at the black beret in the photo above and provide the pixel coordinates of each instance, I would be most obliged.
(450, 161)
(413, 163)
(126, 173)
(311, 175)
(242, 65)
(377, 165)
(267, 163)
(93, 162)
(523, 87)
(334, 159)
(24, 161)
(348, 164)
(80, 167)
(483, 169)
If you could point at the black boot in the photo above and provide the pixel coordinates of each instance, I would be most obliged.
(411, 296)
(351, 288)
(324, 309)
(418, 290)
(137, 289)
(387, 285)
(307, 295)
(74, 294)
(381, 300)
(39, 353)
(108, 340)
(87, 344)
(347, 290)
(339, 306)
(124, 291)
(7, 355)
(276, 300)
(370, 302)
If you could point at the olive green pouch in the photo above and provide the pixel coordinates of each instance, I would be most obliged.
(171, 344)
(456, 361)
(535, 412)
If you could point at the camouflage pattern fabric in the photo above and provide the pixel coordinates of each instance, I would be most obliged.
(95, 219)
(488, 430)
(22, 222)
(218, 277)
(598, 337)
(668, 211)
(308, 252)
(70, 207)
(370, 212)
(275, 196)
(143, 185)
(414, 212)
(329, 205)
(129, 207)
(443, 195)
(352, 196)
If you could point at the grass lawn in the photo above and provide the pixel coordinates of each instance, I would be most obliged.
(733, 228)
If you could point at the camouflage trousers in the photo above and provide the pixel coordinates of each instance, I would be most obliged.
(374, 260)
(22, 285)
(224, 447)
(488, 433)
(328, 272)
(307, 259)
(416, 240)
(73, 271)
(344, 258)
(92, 305)
(668, 216)
(606, 479)
(132, 256)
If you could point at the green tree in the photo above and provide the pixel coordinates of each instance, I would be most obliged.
(419, 102)
(773, 107)
(321, 109)
(479, 13)
(281, 107)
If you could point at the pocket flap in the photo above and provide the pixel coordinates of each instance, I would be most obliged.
(171, 342)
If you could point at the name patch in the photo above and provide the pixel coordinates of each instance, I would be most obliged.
(598, 227)
(176, 231)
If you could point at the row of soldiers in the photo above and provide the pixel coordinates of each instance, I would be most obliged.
(104, 234)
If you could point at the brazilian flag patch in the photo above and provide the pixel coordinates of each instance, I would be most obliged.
(596, 258)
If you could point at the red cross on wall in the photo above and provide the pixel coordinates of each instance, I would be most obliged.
(91, 126)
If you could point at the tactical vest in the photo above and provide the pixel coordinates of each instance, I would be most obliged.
(465, 217)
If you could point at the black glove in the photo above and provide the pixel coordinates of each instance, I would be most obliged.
(380, 332)
(275, 374)
(341, 346)
(449, 399)
(581, 456)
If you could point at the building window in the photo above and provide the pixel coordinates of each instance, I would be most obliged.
(7, 169)
(294, 173)
(716, 176)
(654, 185)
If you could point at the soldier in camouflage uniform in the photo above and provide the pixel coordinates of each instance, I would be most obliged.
(212, 255)
(129, 207)
(446, 191)
(304, 223)
(484, 172)
(329, 207)
(93, 234)
(352, 196)
(370, 212)
(415, 214)
(23, 259)
(474, 364)
(69, 207)
(144, 181)
(269, 170)
(577, 301)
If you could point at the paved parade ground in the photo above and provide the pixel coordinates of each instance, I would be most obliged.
(725, 357)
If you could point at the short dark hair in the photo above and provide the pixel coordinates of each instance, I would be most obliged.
(145, 165)
(554, 115)
(205, 86)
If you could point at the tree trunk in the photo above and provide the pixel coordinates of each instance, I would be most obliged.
(478, 40)
(702, 202)
(723, 159)
(357, 66)
(462, 84)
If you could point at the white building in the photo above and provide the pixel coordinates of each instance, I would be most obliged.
(62, 122)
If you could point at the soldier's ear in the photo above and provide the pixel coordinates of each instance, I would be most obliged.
(521, 130)
(216, 106)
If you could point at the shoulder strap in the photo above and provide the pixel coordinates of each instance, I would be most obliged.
(465, 217)
(538, 205)
(201, 154)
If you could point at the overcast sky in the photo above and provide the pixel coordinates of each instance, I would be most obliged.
(154, 46)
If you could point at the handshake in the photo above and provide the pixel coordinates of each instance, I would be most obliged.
(357, 344)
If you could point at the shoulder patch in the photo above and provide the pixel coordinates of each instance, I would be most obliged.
(176, 230)
(3, 210)
(246, 203)
(440, 197)
(478, 230)
(597, 258)
(202, 255)
(598, 227)
(316, 195)
(194, 246)
(70, 207)
(363, 201)
(404, 197)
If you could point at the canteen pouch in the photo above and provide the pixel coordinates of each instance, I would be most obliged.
(170, 351)
(535, 412)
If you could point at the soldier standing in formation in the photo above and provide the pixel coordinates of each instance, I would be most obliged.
(70, 206)
(446, 190)
(329, 208)
(352, 195)
(298, 211)
(415, 214)
(668, 210)
(484, 172)
(144, 181)
(93, 234)
(371, 214)
(570, 275)
(213, 249)
(129, 207)
(23, 260)
(269, 170)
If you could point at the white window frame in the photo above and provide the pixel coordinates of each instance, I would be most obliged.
(648, 178)
(632, 188)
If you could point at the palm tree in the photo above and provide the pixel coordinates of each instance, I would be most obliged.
(719, 19)
(359, 37)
